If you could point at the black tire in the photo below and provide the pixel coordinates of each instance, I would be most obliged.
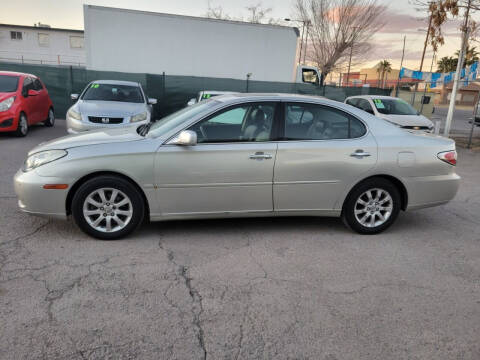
(50, 121)
(22, 130)
(348, 211)
(111, 182)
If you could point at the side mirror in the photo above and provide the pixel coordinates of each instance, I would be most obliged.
(185, 138)
(192, 102)
(32, 93)
(74, 97)
(152, 101)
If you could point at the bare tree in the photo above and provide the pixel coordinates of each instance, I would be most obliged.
(337, 27)
(216, 12)
(257, 13)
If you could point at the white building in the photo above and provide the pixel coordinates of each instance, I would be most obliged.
(41, 45)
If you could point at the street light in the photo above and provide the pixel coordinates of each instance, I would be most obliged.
(305, 23)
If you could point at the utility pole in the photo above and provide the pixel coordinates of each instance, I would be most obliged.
(401, 65)
(425, 88)
(349, 64)
(451, 107)
(423, 54)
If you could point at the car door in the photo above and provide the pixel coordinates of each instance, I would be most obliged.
(319, 156)
(229, 170)
(29, 101)
(41, 100)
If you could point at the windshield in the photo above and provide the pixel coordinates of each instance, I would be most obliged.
(112, 92)
(8, 83)
(172, 121)
(394, 107)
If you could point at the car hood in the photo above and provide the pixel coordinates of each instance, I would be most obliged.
(109, 108)
(5, 95)
(94, 137)
(407, 120)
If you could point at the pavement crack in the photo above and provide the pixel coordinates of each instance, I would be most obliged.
(197, 300)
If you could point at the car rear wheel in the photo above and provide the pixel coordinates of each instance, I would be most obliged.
(22, 126)
(108, 207)
(372, 206)
(51, 118)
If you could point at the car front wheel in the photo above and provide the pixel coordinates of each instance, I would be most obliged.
(372, 206)
(51, 118)
(108, 207)
(22, 126)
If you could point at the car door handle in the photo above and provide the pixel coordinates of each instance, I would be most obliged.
(360, 154)
(260, 156)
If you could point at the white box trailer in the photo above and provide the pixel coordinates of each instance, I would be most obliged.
(146, 42)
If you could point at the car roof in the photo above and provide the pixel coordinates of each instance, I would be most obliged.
(233, 97)
(116, 82)
(15, 73)
(372, 97)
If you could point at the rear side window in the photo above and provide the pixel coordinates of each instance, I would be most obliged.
(319, 122)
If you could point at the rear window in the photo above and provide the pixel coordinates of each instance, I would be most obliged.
(8, 83)
(111, 92)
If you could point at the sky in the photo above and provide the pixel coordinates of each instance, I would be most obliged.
(401, 19)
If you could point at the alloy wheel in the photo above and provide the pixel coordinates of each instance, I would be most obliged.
(373, 208)
(107, 210)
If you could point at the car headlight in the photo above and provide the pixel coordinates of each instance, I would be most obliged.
(74, 115)
(7, 103)
(41, 158)
(139, 117)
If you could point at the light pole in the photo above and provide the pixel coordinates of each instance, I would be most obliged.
(305, 25)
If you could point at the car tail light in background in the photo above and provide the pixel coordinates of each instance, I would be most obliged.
(449, 157)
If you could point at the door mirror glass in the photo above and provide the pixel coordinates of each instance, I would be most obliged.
(310, 76)
(74, 96)
(185, 138)
(152, 101)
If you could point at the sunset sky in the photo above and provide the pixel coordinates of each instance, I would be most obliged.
(401, 19)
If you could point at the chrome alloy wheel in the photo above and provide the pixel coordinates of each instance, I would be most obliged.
(373, 208)
(107, 210)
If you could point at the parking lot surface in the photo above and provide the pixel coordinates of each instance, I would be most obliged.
(296, 288)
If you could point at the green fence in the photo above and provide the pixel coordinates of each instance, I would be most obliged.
(172, 91)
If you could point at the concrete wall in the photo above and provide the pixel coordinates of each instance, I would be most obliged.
(41, 46)
(137, 41)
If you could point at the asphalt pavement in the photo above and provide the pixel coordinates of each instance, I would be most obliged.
(296, 288)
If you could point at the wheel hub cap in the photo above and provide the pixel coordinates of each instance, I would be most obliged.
(373, 208)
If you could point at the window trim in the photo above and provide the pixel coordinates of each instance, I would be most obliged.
(16, 33)
(273, 130)
(282, 125)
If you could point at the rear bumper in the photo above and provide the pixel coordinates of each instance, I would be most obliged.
(428, 191)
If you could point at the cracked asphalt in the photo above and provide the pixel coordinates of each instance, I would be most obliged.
(299, 288)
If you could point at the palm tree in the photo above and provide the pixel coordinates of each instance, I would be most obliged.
(471, 56)
(447, 64)
(384, 67)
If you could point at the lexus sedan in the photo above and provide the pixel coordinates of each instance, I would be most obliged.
(109, 104)
(237, 156)
(394, 110)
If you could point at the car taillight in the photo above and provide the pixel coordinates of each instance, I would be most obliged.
(449, 157)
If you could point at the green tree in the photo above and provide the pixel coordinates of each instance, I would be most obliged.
(384, 67)
(471, 56)
(447, 64)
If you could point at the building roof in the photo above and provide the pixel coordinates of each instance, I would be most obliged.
(41, 28)
(472, 86)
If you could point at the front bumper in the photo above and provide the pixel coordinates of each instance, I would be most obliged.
(34, 199)
(8, 120)
(77, 126)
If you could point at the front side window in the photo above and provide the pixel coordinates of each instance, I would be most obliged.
(8, 83)
(394, 107)
(246, 122)
(37, 85)
(112, 92)
(318, 122)
(27, 85)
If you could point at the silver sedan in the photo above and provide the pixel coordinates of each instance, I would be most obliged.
(237, 156)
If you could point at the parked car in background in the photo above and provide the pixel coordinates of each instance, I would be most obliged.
(24, 101)
(109, 103)
(240, 155)
(394, 110)
(207, 94)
